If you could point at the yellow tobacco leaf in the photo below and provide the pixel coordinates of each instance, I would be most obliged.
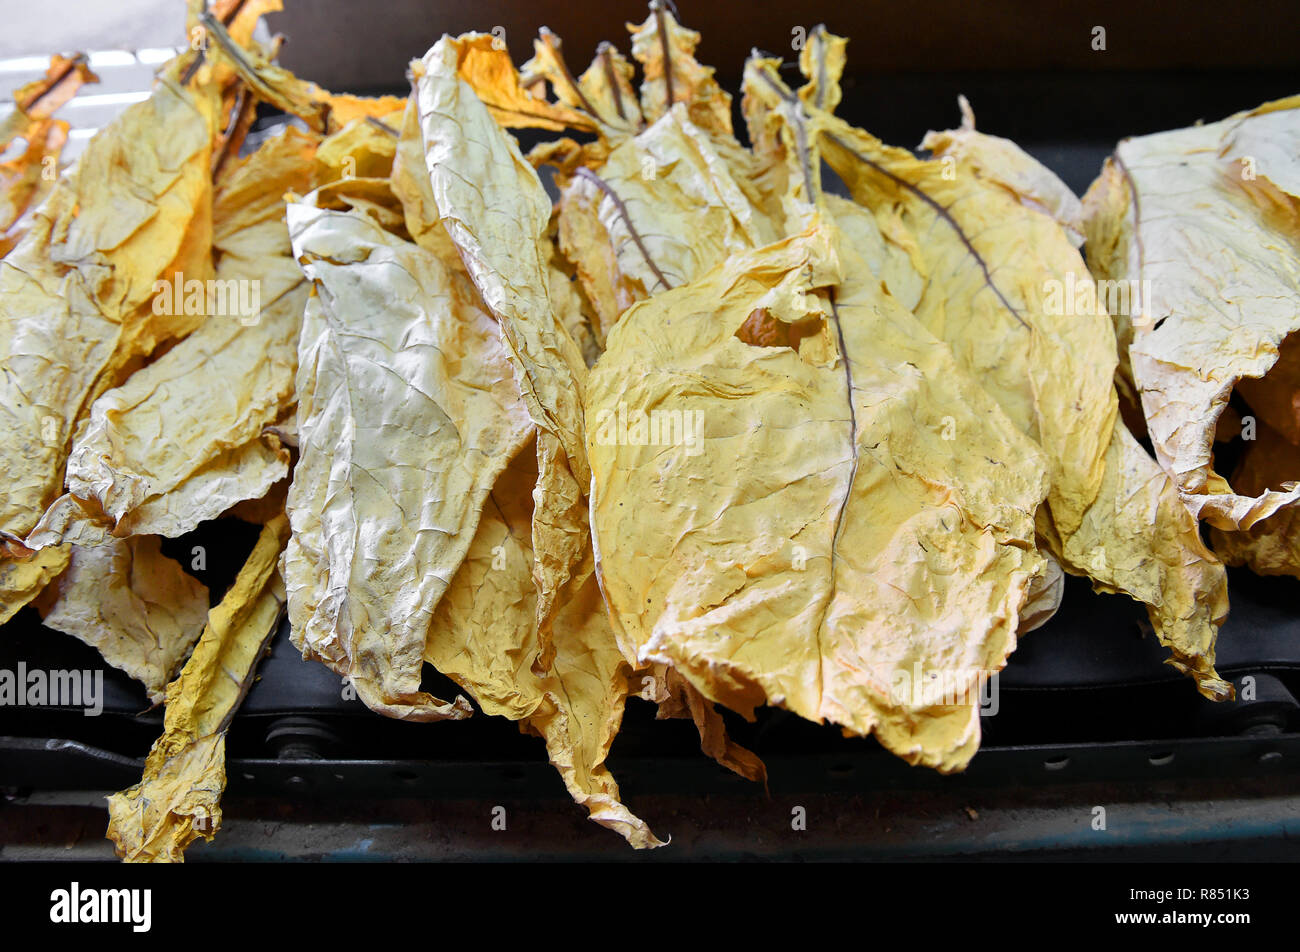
(346, 109)
(945, 733)
(238, 20)
(822, 61)
(355, 169)
(407, 412)
(483, 625)
(484, 637)
(262, 510)
(496, 211)
(1004, 163)
(1045, 594)
(240, 17)
(224, 478)
(1106, 236)
(603, 93)
(990, 277)
(181, 441)
(249, 236)
(502, 253)
(682, 700)
(410, 184)
(1261, 144)
(571, 306)
(498, 678)
(23, 577)
(785, 146)
(25, 180)
(322, 110)
(786, 524)
(662, 209)
(1271, 547)
(364, 148)
(607, 83)
(178, 799)
(1128, 536)
(566, 156)
(1220, 280)
(666, 51)
(41, 98)
(483, 63)
(133, 604)
(77, 294)
(967, 234)
(372, 197)
(1138, 539)
(586, 244)
(582, 706)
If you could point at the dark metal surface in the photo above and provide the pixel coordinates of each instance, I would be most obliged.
(1209, 820)
(1099, 640)
(61, 764)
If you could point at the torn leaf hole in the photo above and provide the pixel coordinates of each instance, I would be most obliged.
(762, 329)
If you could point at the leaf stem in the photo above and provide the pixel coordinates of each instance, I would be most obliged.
(600, 183)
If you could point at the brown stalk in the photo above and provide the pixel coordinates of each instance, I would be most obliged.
(553, 44)
(611, 77)
(667, 54)
(939, 210)
(627, 221)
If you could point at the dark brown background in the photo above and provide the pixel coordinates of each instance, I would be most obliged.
(367, 44)
(1028, 68)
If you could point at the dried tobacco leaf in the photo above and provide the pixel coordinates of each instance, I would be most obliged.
(133, 604)
(572, 307)
(493, 598)
(484, 637)
(1272, 546)
(493, 206)
(822, 61)
(38, 100)
(512, 100)
(238, 20)
(603, 92)
(664, 208)
(1139, 540)
(323, 111)
(410, 183)
(262, 510)
(182, 440)
(76, 294)
(1219, 278)
(805, 533)
(964, 232)
(1002, 162)
(812, 447)
(982, 263)
(25, 180)
(364, 148)
(670, 73)
(407, 413)
(585, 241)
(621, 199)
(1045, 594)
(22, 578)
(681, 700)
(178, 799)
